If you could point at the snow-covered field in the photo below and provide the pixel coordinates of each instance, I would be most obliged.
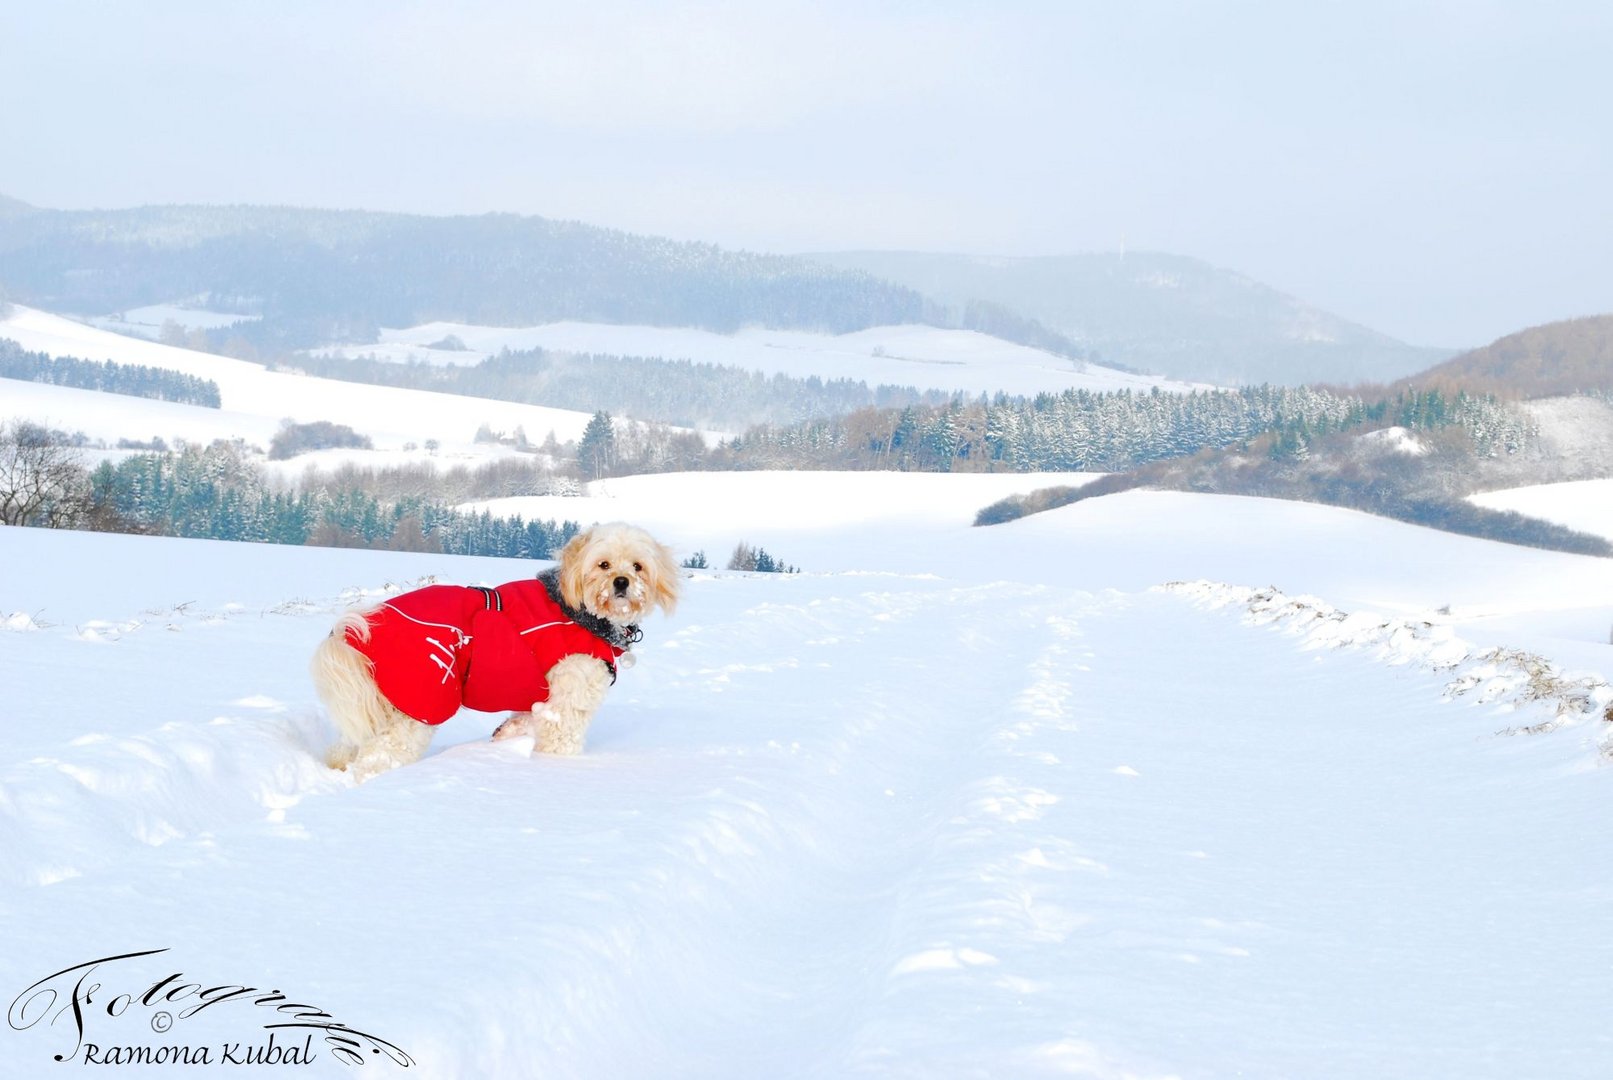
(951, 802)
(255, 400)
(1585, 505)
(149, 320)
(920, 356)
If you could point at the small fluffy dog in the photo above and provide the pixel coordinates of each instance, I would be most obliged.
(546, 648)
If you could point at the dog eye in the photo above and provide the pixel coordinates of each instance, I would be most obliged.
(638, 568)
(605, 565)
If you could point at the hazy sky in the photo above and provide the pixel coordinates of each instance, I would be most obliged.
(1439, 171)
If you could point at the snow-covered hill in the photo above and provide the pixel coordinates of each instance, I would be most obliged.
(149, 320)
(1161, 312)
(951, 802)
(1585, 505)
(255, 400)
(923, 357)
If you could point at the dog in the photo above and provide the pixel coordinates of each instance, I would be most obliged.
(546, 648)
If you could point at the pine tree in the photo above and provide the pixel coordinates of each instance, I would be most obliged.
(596, 450)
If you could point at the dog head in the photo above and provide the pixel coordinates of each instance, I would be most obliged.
(618, 572)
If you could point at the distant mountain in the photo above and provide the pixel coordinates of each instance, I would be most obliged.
(322, 275)
(1543, 361)
(1158, 312)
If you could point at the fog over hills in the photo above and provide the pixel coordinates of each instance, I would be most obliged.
(314, 276)
(1159, 312)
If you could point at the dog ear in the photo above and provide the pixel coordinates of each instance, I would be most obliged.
(574, 568)
(667, 578)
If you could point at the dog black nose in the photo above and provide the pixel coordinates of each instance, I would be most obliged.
(621, 584)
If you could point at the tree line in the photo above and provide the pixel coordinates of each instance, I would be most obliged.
(217, 492)
(1083, 431)
(135, 380)
(1425, 484)
(682, 392)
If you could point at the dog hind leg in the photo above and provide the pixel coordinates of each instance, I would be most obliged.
(374, 735)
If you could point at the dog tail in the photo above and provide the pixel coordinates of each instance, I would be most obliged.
(353, 622)
(345, 681)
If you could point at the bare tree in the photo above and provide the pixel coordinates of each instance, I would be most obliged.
(743, 558)
(42, 477)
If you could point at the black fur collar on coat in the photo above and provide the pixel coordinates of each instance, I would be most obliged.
(622, 637)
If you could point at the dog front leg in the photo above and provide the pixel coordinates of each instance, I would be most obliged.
(577, 686)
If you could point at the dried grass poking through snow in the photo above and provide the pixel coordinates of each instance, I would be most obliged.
(1509, 679)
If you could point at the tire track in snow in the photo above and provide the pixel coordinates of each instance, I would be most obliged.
(1309, 867)
(1004, 884)
(819, 900)
(803, 852)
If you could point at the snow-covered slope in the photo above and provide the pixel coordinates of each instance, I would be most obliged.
(951, 802)
(1160, 312)
(149, 320)
(254, 399)
(1585, 505)
(920, 356)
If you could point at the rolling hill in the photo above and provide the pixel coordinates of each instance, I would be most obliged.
(254, 400)
(310, 277)
(1160, 312)
(316, 276)
(925, 357)
(1558, 358)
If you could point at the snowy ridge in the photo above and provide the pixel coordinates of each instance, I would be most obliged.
(1509, 679)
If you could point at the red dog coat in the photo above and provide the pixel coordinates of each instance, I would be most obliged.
(437, 648)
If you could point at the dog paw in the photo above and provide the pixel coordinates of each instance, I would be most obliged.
(340, 756)
(516, 726)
